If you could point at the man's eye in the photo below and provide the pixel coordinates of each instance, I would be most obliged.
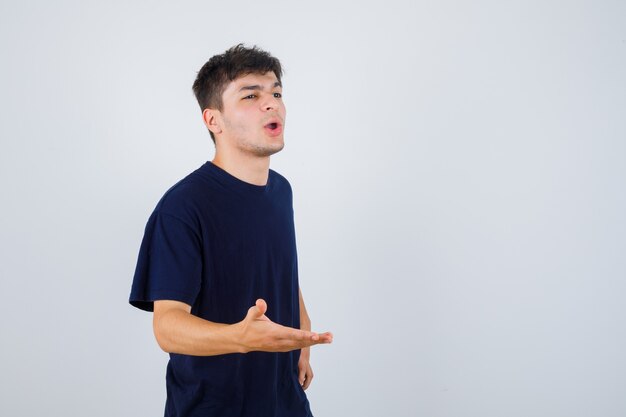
(277, 95)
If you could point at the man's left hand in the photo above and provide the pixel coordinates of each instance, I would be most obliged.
(305, 373)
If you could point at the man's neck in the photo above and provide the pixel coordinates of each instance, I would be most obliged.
(253, 169)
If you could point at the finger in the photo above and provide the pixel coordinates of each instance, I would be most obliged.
(301, 374)
(326, 337)
(309, 377)
(261, 305)
(304, 342)
(299, 335)
(256, 311)
(253, 313)
(298, 339)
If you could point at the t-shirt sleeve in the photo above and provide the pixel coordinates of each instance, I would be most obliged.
(169, 265)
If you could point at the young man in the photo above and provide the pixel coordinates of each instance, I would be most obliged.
(218, 262)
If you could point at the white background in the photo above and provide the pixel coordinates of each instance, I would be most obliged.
(459, 189)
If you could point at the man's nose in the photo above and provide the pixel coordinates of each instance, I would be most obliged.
(271, 103)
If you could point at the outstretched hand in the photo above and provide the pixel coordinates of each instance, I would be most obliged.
(259, 333)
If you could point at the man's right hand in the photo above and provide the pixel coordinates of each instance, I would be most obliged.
(259, 333)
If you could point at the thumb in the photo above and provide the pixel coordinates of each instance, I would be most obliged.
(258, 309)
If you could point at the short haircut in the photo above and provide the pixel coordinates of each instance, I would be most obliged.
(220, 70)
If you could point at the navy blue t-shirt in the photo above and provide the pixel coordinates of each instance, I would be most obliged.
(219, 243)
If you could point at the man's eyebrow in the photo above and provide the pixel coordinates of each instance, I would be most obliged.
(258, 87)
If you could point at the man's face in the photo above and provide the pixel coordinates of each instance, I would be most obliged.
(253, 115)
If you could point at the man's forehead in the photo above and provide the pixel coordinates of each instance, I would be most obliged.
(267, 80)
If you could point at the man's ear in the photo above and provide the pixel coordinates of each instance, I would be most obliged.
(212, 120)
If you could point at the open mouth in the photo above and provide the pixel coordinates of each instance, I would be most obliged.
(274, 129)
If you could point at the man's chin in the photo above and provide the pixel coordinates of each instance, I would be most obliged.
(268, 150)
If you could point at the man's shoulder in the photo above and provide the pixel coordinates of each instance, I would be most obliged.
(184, 195)
(280, 180)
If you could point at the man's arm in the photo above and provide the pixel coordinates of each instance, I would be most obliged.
(305, 321)
(178, 331)
(305, 372)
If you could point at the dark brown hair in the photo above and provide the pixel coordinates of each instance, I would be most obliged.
(220, 70)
